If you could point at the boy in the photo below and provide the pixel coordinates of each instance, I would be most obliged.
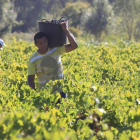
(46, 62)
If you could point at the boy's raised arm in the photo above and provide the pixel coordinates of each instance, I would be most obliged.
(73, 44)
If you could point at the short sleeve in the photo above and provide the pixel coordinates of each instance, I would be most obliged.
(31, 68)
(62, 49)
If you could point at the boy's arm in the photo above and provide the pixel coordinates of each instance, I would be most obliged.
(31, 82)
(31, 75)
(73, 44)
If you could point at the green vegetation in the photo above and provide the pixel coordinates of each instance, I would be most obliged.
(107, 71)
(101, 78)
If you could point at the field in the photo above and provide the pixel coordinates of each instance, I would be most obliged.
(102, 82)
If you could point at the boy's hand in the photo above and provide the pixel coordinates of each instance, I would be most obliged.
(64, 25)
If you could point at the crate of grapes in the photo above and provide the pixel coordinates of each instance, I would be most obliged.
(54, 31)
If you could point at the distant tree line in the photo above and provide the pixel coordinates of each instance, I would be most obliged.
(96, 17)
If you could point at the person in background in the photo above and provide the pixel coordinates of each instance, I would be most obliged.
(1, 44)
(46, 63)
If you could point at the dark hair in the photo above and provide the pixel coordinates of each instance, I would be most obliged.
(39, 35)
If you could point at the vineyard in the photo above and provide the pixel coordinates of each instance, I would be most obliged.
(103, 87)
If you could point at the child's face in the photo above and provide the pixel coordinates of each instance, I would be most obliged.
(42, 44)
